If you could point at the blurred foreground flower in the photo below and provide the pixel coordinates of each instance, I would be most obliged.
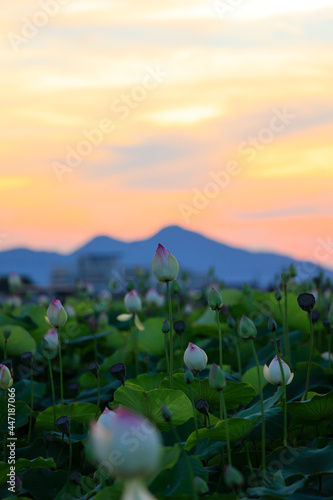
(195, 358)
(56, 315)
(165, 265)
(272, 373)
(126, 446)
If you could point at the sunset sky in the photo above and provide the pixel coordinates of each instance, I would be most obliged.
(121, 117)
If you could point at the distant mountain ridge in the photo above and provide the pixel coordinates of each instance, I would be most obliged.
(193, 251)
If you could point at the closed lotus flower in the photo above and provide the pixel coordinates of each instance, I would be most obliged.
(272, 373)
(132, 302)
(56, 314)
(165, 265)
(195, 358)
(129, 437)
(50, 343)
(6, 380)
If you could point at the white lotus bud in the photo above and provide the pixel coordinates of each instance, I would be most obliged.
(195, 358)
(273, 375)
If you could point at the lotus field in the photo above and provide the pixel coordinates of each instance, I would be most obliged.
(167, 391)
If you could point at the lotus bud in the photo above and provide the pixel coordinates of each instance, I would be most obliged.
(43, 300)
(50, 343)
(56, 314)
(179, 327)
(118, 371)
(188, 377)
(231, 322)
(6, 333)
(202, 406)
(233, 478)
(292, 271)
(272, 326)
(64, 424)
(200, 486)
(306, 301)
(165, 265)
(285, 277)
(6, 380)
(27, 359)
(216, 378)
(272, 373)
(132, 302)
(246, 328)
(195, 358)
(153, 298)
(70, 311)
(214, 299)
(166, 326)
(93, 368)
(114, 438)
(278, 295)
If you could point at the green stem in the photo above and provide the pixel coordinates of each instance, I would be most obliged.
(310, 357)
(135, 346)
(248, 457)
(329, 350)
(5, 349)
(220, 337)
(53, 393)
(199, 385)
(166, 353)
(239, 362)
(284, 392)
(226, 426)
(287, 347)
(171, 337)
(194, 413)
(61, 380)
(187, 463)
(32, 403)
(263, 450)
(70, 461)
(181, 350)
(95, 350)
(98, 394)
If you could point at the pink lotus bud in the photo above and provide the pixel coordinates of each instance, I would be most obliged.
(131, 438)
(132, 302)
(56, 314)
(50, 344)
(165, 265)
(6, 380)
(195, 358)
(272, 373)
(14, 281)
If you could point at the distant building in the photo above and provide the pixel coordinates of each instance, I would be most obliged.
(96, 269)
